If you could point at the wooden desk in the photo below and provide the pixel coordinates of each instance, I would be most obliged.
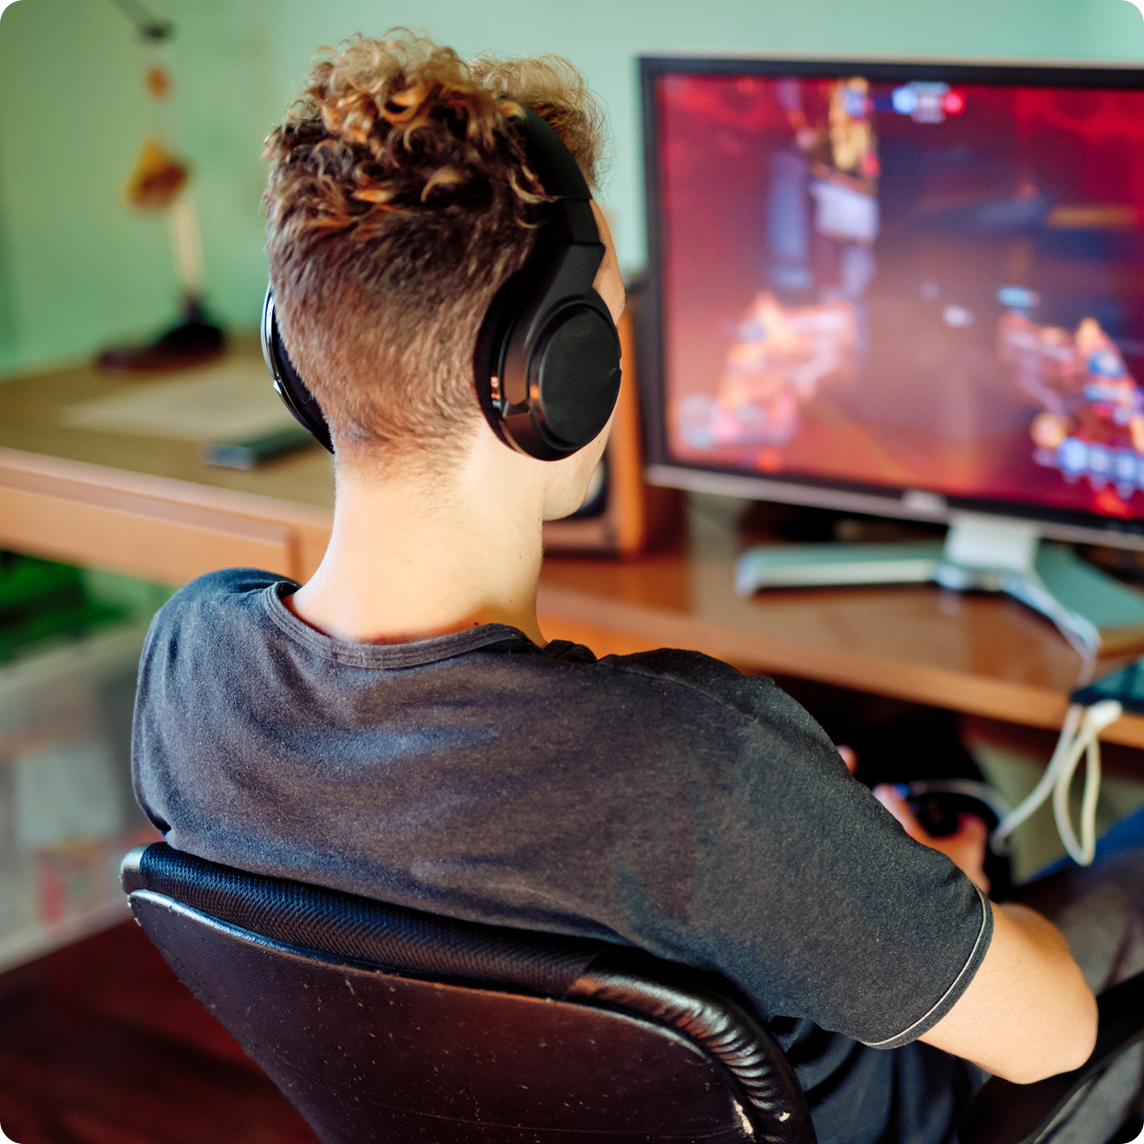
(981, 655)
(149, 507)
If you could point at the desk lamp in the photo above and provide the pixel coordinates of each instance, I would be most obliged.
(160, 182)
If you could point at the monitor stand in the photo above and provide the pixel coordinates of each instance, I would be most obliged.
(980, 553)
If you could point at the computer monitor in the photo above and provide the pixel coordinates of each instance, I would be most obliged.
(912, 289)
(900, 287)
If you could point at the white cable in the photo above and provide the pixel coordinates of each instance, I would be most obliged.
(1080, 734)
(1000, 839)
(1096, 718)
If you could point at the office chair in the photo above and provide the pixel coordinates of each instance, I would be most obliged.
(384, 1024)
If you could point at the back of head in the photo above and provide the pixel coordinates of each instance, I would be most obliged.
(400, 199)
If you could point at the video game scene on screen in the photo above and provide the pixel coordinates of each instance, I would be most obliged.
(910, 285)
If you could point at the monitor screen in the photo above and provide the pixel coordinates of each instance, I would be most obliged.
(910, 287)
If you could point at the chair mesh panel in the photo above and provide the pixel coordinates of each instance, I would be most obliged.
(360, 929)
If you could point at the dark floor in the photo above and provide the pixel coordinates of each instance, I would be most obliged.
(100, 1044)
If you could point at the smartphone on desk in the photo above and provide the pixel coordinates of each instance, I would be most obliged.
(250, 452)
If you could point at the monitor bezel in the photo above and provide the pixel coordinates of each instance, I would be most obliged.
(661, 468)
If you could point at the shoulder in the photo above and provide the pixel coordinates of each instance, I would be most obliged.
(211, 606)
(228, 583)
(217, 589)
(689, 671)
(698, 680)
(681, 714)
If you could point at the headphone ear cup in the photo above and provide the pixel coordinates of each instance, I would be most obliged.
(287, 383)
(575, 369)
(551, 393)
(547, 362)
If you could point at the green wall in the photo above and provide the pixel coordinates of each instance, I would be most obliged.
(79, 270)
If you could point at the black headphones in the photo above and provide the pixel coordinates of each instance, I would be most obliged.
(547, 360)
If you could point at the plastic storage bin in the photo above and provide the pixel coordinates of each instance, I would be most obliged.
(67, 813)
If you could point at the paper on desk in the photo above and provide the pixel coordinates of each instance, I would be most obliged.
(227, 401)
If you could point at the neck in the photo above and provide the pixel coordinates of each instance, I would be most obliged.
(409, 559)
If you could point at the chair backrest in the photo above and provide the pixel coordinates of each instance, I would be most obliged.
(383, 1024)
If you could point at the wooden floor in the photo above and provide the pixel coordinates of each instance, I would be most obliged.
(100, 1044)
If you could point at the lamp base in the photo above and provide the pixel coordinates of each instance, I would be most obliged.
(194, 341)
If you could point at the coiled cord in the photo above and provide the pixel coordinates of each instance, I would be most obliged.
(1080, 735)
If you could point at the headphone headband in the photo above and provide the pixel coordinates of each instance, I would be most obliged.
(554, 166)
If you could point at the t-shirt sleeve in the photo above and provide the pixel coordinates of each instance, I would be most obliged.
(809, 894)
(871, 934)
(956, 988)
(184, 668)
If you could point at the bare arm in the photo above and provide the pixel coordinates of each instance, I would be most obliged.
(1028, 1012)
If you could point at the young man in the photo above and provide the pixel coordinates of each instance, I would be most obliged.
(398, 727)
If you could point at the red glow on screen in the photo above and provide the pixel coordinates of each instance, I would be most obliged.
(840, 298)
(953, 103)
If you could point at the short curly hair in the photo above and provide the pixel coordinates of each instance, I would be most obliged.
(400, 199)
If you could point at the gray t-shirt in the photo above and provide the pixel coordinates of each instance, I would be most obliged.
(661, 799)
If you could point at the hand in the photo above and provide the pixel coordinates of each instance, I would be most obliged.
(965, 848)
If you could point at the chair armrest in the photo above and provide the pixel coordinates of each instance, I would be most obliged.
(1006, 1113)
